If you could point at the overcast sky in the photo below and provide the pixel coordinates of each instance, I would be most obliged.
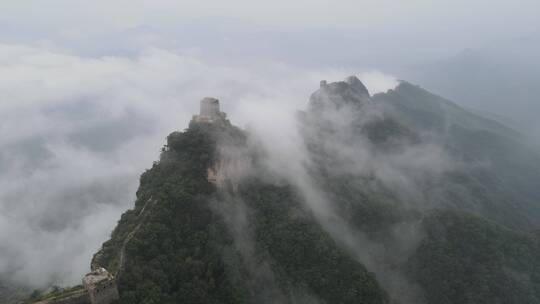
(90, 89)
(435, 24)
(489, 16)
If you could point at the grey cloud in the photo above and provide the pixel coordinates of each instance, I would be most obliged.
(405, 171)
(76, 133)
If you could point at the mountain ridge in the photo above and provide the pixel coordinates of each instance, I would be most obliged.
(384, 211)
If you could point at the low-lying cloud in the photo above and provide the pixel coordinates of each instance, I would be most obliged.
(76, 133)
(329, 141)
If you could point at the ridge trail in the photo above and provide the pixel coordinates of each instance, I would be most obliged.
(122, 258)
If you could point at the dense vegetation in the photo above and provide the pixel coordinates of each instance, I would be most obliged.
(464, 237)
(176, 254)
(185, 253)
(301, 252)
(55, 293)
(466, 259)
(461, 258)
(499, 172)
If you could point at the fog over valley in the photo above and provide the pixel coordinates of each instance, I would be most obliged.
(384, 129)
(73, 148)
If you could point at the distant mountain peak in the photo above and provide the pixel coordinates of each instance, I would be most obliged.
(340, 93)
(355, 83)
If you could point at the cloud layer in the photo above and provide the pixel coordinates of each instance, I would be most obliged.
(76, 133)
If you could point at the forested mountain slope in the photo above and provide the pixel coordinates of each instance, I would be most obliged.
(401, 197)
(496, 172)
(187, 252)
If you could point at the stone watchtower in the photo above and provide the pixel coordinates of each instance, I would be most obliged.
(209, 107)
(209, 112)
(100, 286)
